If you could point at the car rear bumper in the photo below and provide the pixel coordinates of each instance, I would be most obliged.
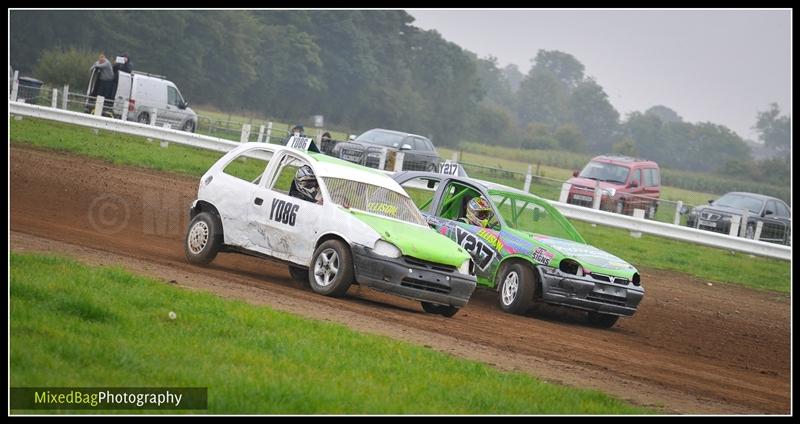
(584, 293)
(399, 277)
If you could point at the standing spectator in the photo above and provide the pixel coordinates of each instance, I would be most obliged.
(106, 76)
(126, 66)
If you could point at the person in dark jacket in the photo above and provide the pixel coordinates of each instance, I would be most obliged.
(126, 66)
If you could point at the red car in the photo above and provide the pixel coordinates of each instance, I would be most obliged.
(625, 184)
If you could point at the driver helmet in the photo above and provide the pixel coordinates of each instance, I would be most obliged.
(306, 182)
(479, 211)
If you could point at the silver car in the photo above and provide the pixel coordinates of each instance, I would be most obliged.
(366, 149)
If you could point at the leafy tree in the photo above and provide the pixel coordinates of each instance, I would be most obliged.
(594, 115)
(773, 129)
(513, 76)
(570, 138)
(564, 66)
(664, 113)
(538, 136)
(626, 147)
(542, 99)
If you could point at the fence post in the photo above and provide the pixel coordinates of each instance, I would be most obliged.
(153, 117)
(678, 207)
(759, 227)
(98, 105)
(54, 100)
(454, 158)
(638, 214)
(564, 192)
(527, 186)
(164, 143)
(245, 137)
(597, 195)
(382, 162)
(125, 109)
(734, 225)
(743, 224)
(260, 133)
(398, 161)
(15, 87)
(65, 97)
(269, 131)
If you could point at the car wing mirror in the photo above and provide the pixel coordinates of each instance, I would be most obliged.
(351, 137)
(769, 212)
(405, 147)
(634, 184)
(710, 201)
(574, 173)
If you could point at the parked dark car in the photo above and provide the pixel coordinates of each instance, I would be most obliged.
(366, 149)
(774, 213)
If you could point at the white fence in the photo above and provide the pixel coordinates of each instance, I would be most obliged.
(634, 224)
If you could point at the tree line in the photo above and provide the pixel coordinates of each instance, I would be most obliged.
(364, 69)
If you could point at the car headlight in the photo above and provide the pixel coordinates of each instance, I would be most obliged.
(384, 248)
(467, 267)
(610, 192)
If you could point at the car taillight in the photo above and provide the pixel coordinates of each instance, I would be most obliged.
(131, 105)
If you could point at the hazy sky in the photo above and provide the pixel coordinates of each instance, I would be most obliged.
(717, 66)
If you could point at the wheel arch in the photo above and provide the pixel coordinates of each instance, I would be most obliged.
(518, 258)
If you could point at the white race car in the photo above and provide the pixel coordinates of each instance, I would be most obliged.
(357, 225)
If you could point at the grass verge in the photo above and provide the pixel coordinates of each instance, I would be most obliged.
(75, 325)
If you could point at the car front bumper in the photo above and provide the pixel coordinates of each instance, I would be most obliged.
(422, 283)
(586, 293)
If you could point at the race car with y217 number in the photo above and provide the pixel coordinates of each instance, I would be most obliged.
(334, 223)
(524, 248)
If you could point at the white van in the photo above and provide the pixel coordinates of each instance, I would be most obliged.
(149, 95)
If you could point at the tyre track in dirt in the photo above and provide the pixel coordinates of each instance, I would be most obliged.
(691, 348)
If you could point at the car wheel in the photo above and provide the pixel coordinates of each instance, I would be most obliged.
(144, 118)
(299, 274)
(331, 271)
(601, 320)
(620, 206)
(517, 287)
(432, 308)
(203, 239)
(189, 126)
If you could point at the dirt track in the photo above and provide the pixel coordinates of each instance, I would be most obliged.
(691, 348)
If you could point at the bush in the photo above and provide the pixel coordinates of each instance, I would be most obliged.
(58, 67)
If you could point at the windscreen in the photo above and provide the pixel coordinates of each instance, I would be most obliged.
(374, 199)
(603, 171)
(740, 202)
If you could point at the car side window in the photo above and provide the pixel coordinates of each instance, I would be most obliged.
(419, 144)
(286, 173)
(656, 177)
(637, 176)
(249, 166)
(770, 209)
(421, 190)
(783, 211)
(648, 177)
(172, 96)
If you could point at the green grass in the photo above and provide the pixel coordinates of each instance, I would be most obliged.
(707, 263)
(74, 325)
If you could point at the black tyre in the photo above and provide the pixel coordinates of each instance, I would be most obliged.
(517, 286)
(144, 118)
(189, 126)
(331, 271)
(652, 210)
(299, 274)
(620, 207)
(432, 308)
(597, 319)
(203, 239)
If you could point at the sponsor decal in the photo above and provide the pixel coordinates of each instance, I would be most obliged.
(283, 212)
(542, 256)
(480, 251)
(491, 238)
(382, 208)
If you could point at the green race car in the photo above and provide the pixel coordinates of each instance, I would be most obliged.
(527, 251)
